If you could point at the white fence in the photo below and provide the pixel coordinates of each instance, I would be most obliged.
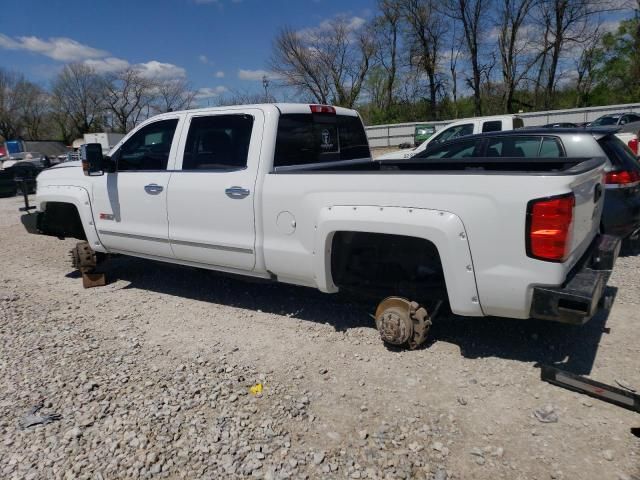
(395, 134)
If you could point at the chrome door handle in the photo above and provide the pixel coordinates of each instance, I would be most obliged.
(153, 189)
(237, 192)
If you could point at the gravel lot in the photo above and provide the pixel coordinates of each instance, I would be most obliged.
(151, 376)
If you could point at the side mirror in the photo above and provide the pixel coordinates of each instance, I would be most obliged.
(91, 156)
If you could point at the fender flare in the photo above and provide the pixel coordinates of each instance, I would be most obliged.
(444, 229)
(77, 196)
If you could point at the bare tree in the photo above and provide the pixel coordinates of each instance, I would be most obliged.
(387, 36)
(129, 95)
(11, 92)
(35, 109)
(78, 94)
(454, 54)
(513, 45)
(472, 15)
(299, 66)
(565, 23)
(330, 63)
(172, 95)
(425, 34)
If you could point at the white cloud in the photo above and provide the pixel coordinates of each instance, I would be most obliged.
(352, 24)
(203, 59)
(155, 69)
(59, 48)
(107, 65)
(207, 92)
(256, 75)
(219, 74)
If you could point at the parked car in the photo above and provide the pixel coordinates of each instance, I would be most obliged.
(7, 184)
(24, 175)
(612, 119)
(467, 126)
(630, 134)
(289, 193)
(621, 214)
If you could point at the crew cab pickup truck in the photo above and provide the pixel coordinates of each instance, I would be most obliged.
(288, 192)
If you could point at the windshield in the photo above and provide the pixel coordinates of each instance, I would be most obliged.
(602, 121)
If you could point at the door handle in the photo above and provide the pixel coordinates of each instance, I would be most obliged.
(153, 189)
(237, 192)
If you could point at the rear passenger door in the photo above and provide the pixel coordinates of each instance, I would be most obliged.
(211, 194)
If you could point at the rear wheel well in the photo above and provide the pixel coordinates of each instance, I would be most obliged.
(61, 220)
(380, 265)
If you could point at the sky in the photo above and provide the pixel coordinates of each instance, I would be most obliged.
(218, 45)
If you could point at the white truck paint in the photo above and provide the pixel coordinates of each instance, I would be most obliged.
(279, 224)
(466, 126)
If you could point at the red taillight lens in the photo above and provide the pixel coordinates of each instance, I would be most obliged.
(322, 109)
(633, 145)
(622, 178)
(549, 223)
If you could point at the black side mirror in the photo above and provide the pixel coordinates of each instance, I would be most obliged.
(92, 160)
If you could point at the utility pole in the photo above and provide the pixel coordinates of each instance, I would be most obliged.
(265, 85)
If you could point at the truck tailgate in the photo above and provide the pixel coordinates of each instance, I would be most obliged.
(588, 190)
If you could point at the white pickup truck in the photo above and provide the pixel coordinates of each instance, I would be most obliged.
(459, 128)
(288, 192)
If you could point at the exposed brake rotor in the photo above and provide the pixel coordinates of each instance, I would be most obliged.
(402, 322)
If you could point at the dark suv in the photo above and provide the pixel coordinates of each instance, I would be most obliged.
(621, 214)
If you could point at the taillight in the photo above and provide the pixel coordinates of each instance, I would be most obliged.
(633, 145)
(622, 178)
(322, 109)
(549, 224)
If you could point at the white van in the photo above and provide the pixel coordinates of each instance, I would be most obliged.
(460, 128)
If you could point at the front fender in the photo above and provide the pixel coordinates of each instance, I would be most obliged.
(77, 196)
(444, 229)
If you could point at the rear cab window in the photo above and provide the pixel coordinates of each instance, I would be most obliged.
(305, 139)
(492, 126)
(451, 133)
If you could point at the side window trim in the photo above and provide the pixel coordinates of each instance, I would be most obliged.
(183, 144)
(172, 151)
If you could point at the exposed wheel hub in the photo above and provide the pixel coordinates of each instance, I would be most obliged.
(401, 322)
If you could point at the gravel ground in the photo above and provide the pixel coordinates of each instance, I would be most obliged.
(151, 377)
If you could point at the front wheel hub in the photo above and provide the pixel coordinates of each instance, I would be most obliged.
(393, 319)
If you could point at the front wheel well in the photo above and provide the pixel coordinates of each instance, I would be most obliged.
(381, 265)
(61, 220)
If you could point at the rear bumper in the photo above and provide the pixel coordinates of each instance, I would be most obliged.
(576, 301)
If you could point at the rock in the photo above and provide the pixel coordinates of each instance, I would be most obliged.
(318, 458)
(608, 455)
(363, 434)
(323, 371)
(441, 474)
(72, 433)
(546, 414)
(462, 400)
(437, 446)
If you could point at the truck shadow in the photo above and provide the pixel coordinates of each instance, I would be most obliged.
(572, 347)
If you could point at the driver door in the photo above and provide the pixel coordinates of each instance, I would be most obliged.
(130, 205)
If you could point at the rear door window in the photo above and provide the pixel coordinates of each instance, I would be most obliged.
(453, 132)
(218, 142)
(492, 126)
(309, 138)
(551, 148)
(514, 146)
(458, 149)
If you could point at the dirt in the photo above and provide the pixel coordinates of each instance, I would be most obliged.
(473, 388)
